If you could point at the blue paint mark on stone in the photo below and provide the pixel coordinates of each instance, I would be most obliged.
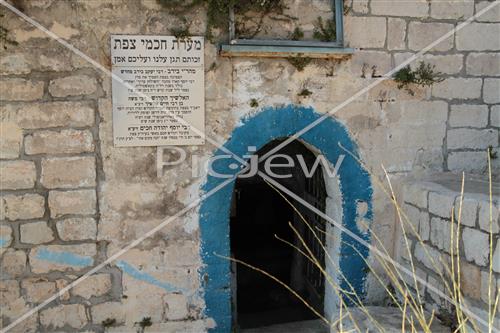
(142, 276)
(268, 125)
(4, 242)
(64, 258)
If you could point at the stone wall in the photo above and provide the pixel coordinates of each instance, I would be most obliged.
(70, 199)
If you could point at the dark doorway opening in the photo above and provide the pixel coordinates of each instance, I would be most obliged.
(258, 214)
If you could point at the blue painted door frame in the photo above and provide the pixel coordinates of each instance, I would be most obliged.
(258, 130)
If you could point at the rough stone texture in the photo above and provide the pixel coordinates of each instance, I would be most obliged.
(496, 258)
(472, 161)
(491, 90)
(467, 115)
(458, 88)
(488, 286)
(14, 64)
(470, 280)
(20, 90)
(418, 8)
(485, 216)
(396, 34)
(422, 34)
(480, 64)
(472, 138)
(68, 172)
(73, 315)
(72, 202)
(177, 307)
(366, 32)
(36, 233)
(466, 211)
(93, 286)
(108, 310)
(10, 140)
(17, 175)
(478, 37)
(62, 257)
(72, 86)
(77, 228)
(52, 114)
(492, 15)
(5, 237)
(446, 64)
(452, 9)
(415, 195)
(441, 204)
(440, 234)
(38, 289)
(476, 246)
(360, 6)
(68, 141)
(22, 207)
(495, 116)
(13, 262)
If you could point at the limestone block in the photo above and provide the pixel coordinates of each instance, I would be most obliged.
(177, 307)
(17, 175)
(488, 286)
(77, 228)
(476, 246)
(396, 34)
(365, 32)
(485, 216)
(441, 204)
(46, 258)
(413, 215)
(73, 315)
(36, 233)
(492, 15)
(424, 226)
(10, 140)
(467, 115)
(14, 64)
(9, 291)
(471, 138)
(68, 141)
(495, 116)
(470, 280)
(469, 161)
(68, 172)
(466, 211)
(38, 290)
(72, 86)
(446, 64)
(5, 237)
(496, 258)
(93, 286)
(483, 64)
(417, 8)
(13, 262)
(370, 63)
(429, 257)
(459, 88)
(111, 310)
(53, 114)
(491, 90)
(452, 9)
(72, 202)
(22, 207)
(16, 89)
(478, 37)
(416, 195)
(422, 34)
(360, 6)
(440, 234)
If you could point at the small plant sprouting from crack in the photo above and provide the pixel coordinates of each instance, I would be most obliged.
(493, 154)
(108, 322)
(299, 62)
(145, 322)
(297, 34)
(182, 31)
(254, 103)
(324, 31)
(424, 75)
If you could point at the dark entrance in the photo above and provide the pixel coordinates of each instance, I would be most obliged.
(258, 214)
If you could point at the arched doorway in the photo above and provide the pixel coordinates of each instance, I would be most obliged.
(353, 187)
(259, 228)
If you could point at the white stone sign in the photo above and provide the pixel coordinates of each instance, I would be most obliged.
(160, 97)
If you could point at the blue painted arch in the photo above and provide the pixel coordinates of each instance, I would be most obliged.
(258, 130)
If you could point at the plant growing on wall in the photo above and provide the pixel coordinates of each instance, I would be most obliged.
(324, 31)
(145, 322)
(423, 75)
(299, 62)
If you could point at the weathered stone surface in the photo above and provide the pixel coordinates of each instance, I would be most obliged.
(36, 233)
(366, 32)
(440, 234)
(13, 262)
(446, 64)
(470, 161)
(72, 86)
(495, 116)
(16, 89)
(46, 258)
(441, 204)
(424, 226)
(429, 257)
(483, 64)
(417, 8)
(370, 63)
(491, 90)
(10, 140)
(77, 228)
(452, 9)
(94, 285)
(485, 217)
(68, 141)
(472, 138)
(476, 246)
(14, 64)
(176, 307)
(470, 280)
(22, 207)
(466, 211)
(467, 115)
(491, 15)
(72, 202)
(421, 35)
(52, 114)
(38, 290)
(68, 172)
(416, 195)
(496, 258)
(360, 6)
(478, 37)
(17, 175)
(108, 310)
(459, 88)
(488, 286)
(73, 315)
(9, 291)
(396, 34)
(5, 237)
